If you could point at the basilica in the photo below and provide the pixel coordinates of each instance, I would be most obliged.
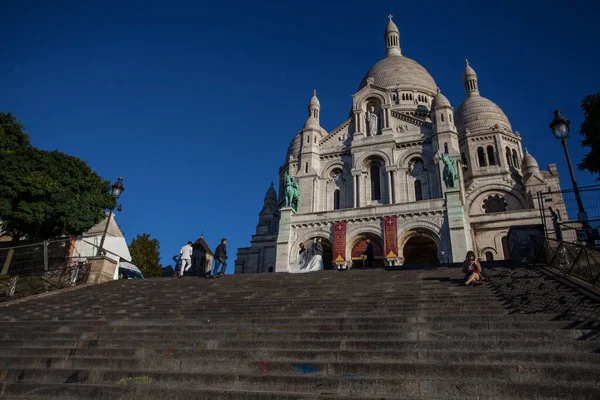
(423, 181)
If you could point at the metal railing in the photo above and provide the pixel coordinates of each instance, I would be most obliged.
(579, 261)
(32, 268)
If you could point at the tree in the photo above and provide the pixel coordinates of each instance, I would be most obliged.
(145, 254)
(45, 194)
(590, 130)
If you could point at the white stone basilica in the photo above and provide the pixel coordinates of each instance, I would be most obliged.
(384, 161)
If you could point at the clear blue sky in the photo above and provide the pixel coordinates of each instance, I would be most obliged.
(194, 103)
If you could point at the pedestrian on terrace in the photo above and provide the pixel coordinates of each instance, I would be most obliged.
(186, 258)
(472, 269)
(220, 258)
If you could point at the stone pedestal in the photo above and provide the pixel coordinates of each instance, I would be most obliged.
(394, 262)
(460, 230)
(282, 261)
(102, 269)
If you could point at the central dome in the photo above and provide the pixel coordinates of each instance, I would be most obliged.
(400, 72)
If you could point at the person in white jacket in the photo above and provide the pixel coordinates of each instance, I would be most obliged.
(186, 258)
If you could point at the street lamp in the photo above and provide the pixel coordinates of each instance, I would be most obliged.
(561, 129)
(116, 190)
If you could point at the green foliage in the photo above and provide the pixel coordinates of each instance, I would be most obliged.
(145, 254)
(590, 130)
(45, 194)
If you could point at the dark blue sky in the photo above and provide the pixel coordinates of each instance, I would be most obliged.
(194, 103)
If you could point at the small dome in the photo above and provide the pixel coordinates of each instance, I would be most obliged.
(295, 145)
(468, 72)
(271, 194)
(314, 101)
(391, 27)
(400, 72)
(477, 113)
(529, 164)
(440, 100)
(312, 123)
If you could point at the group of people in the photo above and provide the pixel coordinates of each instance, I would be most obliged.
(185, 258)
(310, 257)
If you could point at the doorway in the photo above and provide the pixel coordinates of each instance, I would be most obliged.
(420, 249)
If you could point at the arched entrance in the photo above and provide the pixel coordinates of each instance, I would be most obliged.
(327, 251)
(420, 249)
(360, 246)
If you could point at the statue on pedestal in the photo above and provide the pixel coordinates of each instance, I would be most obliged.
(450, 172)
(372, 122)
(292, 191)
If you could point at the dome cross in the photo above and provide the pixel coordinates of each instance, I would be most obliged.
(390, 17)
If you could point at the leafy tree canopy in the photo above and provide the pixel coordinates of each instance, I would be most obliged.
(45, 194)
(145, 254)
(590, 129)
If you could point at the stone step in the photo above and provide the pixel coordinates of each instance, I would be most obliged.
(523, 382)
(583, 374)
(315, 319)
(40, 356)
(304, 326)
(559, 334)
(317, 345)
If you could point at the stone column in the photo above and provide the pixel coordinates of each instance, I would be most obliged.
(390, 176)
(356, 185)
(282, 262)
(458, 224)
(102, 269)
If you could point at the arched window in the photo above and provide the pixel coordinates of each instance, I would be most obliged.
(491, 156)
(418, 190)
(336, 199)
(306, 168)
(508, 157)
(315, 138)
(442, 117)
(375, 183)
(464, 160)
(308, 139)
(489, 256)
(446, 148)
(516, 159)
(450, 117)
(481, 157)
(403, 96)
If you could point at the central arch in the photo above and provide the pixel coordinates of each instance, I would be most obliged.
(419, 248)
(358, 245)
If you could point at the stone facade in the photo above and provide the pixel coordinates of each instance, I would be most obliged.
(384, 160)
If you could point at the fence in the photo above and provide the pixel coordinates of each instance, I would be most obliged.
(559, 213)
(573, 259)
(31, 268)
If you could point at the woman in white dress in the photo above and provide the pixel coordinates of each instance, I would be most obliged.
(310, 260)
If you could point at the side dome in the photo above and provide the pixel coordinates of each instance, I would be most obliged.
(529, 163)
(271, 194)
(402, 72)
(477, 113)
(295, 144)
(440, 100)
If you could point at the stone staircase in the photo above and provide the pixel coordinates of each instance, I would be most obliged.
(376, 334)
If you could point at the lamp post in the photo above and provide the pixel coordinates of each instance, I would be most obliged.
(115, 192)
(561, 129)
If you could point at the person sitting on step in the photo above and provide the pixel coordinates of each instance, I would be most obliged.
(472, 269)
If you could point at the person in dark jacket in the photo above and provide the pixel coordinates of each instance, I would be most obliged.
(370, 253)
(220, 258)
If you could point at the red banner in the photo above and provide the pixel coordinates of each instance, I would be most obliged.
(339, 242)
(361, 246)
(390, 236)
